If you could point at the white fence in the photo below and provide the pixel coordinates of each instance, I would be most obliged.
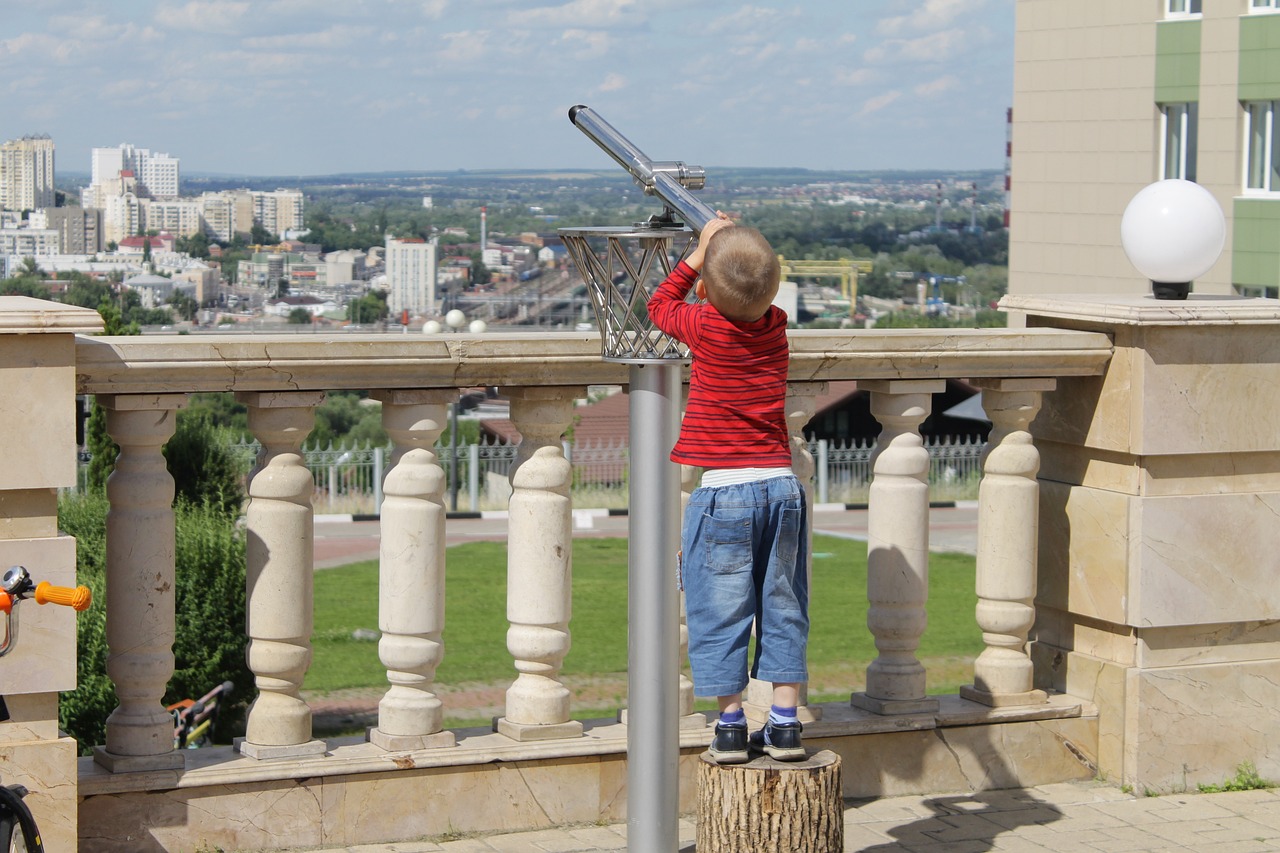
(348, 477)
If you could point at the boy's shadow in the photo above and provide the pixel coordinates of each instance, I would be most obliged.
(975, 820)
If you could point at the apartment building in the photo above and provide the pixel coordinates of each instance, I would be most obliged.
(157, 174)
(26, 173)
(278, 211)
(411, 276)
(1109, 97)
(80, 229)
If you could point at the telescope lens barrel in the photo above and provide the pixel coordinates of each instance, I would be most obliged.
(668, 180)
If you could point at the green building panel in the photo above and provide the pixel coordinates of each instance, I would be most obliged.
(1259, 58)
(1177, 62)
(1255, 242)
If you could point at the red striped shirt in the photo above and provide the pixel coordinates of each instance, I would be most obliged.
(735, 416)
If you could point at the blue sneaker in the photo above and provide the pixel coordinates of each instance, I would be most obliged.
(729, 746)
(780, 741)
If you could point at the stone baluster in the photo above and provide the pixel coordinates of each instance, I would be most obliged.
(801, 405)
(1008, 528)
(279, 575)
(539, 566)
(411, 572)
(141, 621)
(898, 547)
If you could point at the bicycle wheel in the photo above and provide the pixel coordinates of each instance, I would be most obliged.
(11, 838)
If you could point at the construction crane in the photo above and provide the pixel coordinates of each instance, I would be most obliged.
(846, 269)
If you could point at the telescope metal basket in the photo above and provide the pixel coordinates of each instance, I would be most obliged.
(622, 267)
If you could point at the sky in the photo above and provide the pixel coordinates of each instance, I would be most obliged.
(317, 87)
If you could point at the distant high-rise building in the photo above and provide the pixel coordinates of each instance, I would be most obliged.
(81, 229)
(278, 211)
(26, 173)
(157, 174)
(411, 276)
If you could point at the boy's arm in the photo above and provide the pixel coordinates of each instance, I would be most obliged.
(699, 252)
(667, 307)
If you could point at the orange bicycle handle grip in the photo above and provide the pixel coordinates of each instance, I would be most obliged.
(77, 599)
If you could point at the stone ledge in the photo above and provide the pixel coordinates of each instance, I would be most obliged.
(353, 756)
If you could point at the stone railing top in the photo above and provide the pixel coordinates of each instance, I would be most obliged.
(217, 362)
(24, 315)
(1146, 310)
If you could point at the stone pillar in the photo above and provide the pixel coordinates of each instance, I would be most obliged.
(1159, 493)
(141, 601)
(411, 572)
(802, 404)
(1008, 527)
(898, 547)
(278, 566)
(539, 566)
(37, 395)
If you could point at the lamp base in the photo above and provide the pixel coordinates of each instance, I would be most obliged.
(1170, 289)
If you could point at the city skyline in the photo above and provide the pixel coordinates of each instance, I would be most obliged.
(308, 87)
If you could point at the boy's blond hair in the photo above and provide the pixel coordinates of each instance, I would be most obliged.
(741, 273)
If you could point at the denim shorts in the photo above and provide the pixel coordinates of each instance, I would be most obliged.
(745, 562)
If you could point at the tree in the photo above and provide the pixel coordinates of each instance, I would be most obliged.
(300, 317)
(209, 646)
(368, 309)
(184, 304)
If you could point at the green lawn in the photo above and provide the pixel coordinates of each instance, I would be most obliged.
(840, 646)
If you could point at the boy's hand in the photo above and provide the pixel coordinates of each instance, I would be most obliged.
(696, 257)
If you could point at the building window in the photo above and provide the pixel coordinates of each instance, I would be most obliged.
(1261, 158)
(1182, 8)
(1178, 140)
(1264, 5)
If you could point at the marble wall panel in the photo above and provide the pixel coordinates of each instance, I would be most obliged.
(964, 758)
(1084, 551)
(1204, 559)
(47, 768)
(233, 817)
(44, 658)
(37, 387)
(1219, 715)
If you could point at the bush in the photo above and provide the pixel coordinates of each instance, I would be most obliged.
(210, 644)
(204, 471)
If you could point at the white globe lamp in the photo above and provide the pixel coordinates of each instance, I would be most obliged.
(432, 327)
(455, 319)
(1173, 232)
(478, 327)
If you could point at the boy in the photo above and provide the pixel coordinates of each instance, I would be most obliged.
(743, 539)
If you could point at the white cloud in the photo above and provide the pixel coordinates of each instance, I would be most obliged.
(202, 15)
(930, 15)
(336, 36)
(936, 87)
(755, 20)
(935, 47)
(465, 46)
(581, 13)
(611, 83)
(854, 76)
(879, 102)
(434, 9)
(586, 44)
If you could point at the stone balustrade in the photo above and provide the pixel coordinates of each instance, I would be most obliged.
(143, 380)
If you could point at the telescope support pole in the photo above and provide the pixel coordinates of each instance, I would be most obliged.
(653, 608)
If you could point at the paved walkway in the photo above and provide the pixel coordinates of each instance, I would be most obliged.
(1062, 818)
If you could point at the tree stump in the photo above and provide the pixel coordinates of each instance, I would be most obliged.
(771, 806)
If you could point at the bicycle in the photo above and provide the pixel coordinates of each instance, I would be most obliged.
(193, 719)
(18, 830)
